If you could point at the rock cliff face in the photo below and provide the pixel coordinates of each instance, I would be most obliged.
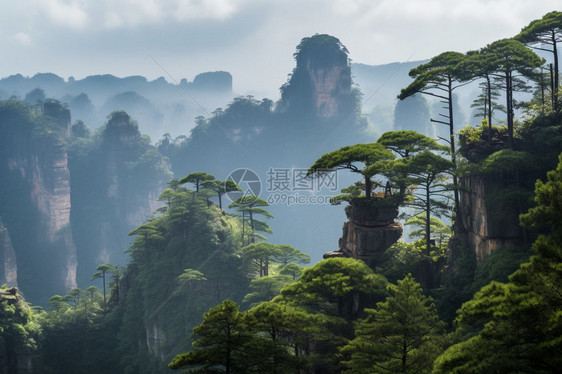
(132, 204)
(42, 164)
(369, 232)
(9, 269)
(320, 84)
(65, 210)
(329, 84)
(484, 224)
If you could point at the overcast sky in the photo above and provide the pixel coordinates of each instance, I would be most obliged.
(252, 39)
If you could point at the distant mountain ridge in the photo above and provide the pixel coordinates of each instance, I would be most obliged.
(159, 106)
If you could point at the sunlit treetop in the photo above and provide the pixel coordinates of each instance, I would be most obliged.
(435, 74)
(407, 142)
(546, 30)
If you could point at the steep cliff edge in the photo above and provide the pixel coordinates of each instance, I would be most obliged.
(486, 224)
(497, 182)
(36, 209)
(67, 202)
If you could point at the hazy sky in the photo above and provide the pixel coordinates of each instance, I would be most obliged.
(252, 39)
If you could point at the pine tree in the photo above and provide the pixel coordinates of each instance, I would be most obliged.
(223, 341)
(401, 335)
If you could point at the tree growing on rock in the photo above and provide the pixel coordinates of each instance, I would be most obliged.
(197, 178)
(439, 78)
(365, 159)
(102, 270)
(220, 187)
(510, 59)
(407, 145)
(543, 32)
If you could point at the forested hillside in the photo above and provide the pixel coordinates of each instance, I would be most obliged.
(201, 245)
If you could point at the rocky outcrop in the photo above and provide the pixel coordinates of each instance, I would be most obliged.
(8, 268)
(320, 84)
(485, 224)
(369, 231)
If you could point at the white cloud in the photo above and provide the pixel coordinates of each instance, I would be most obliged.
(112, 14)
(23, 38)
(66, 13)
(131, 13)
(210, 9)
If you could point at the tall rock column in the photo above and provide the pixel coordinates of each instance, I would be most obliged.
(50, 192)
(321, 83)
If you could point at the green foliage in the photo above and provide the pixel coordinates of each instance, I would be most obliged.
(266, 288)
(182, 263)
(521, 319)
(415, 150)
(256, 257)
(324, 286)
(435, 75)
(541, 33)
(348, 193)
(249, 206)
(288, 254)
(20, 331)
(470, 134)
(408, 143)
(439, 232)
(400, 258)
(498, 265)
(548, 212)
(508, 57)
(345, 157)
(76, 332)
(457, 283)
(127, 169)
(190, 276)
(291, 269)
(224, 339)
(403, 334)
(372, 155)
(197, 178)
(289, 331)
(544, 30)
(219, 187)
(428, 172)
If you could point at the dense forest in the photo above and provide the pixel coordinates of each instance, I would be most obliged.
(149, 258)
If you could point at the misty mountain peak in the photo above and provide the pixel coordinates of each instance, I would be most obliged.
(320, 84)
